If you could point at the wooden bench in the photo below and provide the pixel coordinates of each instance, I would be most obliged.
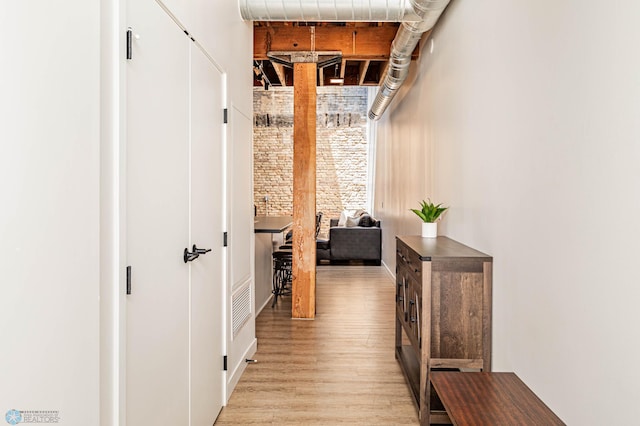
(490, 399)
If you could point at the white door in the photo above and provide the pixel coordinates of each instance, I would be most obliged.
(157, 208)
(241, 331)
(207, 289)
(175, 162)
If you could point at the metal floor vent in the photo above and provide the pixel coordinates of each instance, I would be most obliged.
(240, 308)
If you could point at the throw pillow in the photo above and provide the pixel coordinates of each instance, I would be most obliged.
(352, 221)
(359, 213)
(343, 217)
(366, 221)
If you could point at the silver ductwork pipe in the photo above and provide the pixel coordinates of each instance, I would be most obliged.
(404, 43)
(328, 10)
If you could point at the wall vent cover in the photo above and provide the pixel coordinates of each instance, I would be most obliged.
(240, 308)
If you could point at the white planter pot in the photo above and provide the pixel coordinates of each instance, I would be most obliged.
(429, 230)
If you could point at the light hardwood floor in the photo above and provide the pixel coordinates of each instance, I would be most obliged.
(337, 369)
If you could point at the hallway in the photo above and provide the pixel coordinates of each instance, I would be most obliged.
(337, 369)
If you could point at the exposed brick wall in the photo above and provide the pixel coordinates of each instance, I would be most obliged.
(341, 150)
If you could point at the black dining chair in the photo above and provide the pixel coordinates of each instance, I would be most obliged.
(282, 260)
(288, 239)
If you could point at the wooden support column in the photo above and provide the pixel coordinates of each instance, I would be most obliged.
(303, 295)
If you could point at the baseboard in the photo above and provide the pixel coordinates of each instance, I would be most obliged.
(269, 299)
(234, 377)
(392, 275)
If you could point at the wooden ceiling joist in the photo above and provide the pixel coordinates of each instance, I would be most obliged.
(280, 73)
(354, 42)
(364, 65)
(365, 49)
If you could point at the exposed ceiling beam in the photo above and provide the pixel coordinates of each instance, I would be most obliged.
(354, 42)
(280, 73)
(364, 65)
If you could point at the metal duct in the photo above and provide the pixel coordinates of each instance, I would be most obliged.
(328, 10)
(404, 43)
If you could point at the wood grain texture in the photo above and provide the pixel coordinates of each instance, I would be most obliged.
(457, 315)
(354, 43)
(490, 399)
(336, 370)
(454, 312)
(442, 248)
(487, 315)
(424, 355)
(304, 191)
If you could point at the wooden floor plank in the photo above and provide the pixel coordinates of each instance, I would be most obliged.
(338, 369)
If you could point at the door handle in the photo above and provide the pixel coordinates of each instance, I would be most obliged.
(197, 250)
(188, 256)
(191, 256)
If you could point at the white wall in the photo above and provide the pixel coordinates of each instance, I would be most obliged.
(218, 27)
(525, 117)
(49, 214)
(60, 259)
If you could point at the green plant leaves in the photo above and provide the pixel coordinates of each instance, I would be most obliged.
(420, 214)
(429, 212)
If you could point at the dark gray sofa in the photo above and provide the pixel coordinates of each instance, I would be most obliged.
(351, 243)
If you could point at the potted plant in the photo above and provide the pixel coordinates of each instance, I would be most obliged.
(429, 213)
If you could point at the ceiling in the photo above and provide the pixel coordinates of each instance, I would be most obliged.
(365, 48)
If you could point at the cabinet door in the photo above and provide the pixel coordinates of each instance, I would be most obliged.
(409, 294)
(414, 312)
(401, 294)
(157, 207)
(409, 305)
(457, 310)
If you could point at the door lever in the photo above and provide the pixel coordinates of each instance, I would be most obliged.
(197, 250)
(188, 257)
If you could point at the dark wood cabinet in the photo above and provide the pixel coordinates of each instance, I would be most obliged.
(443, 313)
